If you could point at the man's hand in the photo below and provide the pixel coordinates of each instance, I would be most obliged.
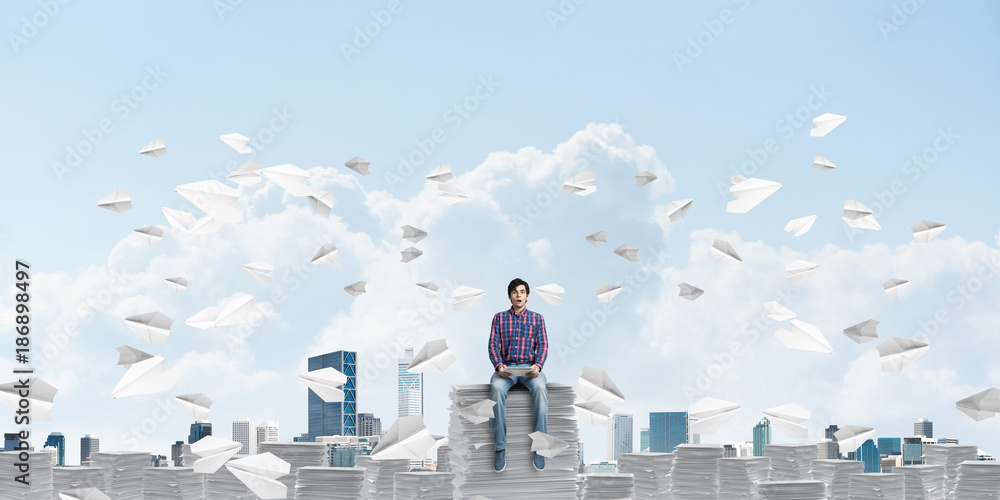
(503, 371)
(535, 370)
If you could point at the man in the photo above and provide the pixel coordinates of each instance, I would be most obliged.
(517, 340)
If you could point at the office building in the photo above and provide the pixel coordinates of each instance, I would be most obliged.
(729, 450)
(10, 441)
(667, 430)
(55, 454)
(761, 436)
(913, 451)
(868, 453)
(829, 433)
(644, 439)
(744, 449)
(985, 457)
(58, 441)
(947, 441)
(340, 418)
(342, 451)
(369, 425)
(619, 436)
(411, 387)
(88, 446)
(442, 458)
(923, 427)
(600, 468)
(891, 462)
(888, 447)
(242, 435)
(177, 453)
(199, 429)
(267, 432)
(828, 449)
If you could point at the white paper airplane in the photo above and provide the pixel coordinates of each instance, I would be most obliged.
(357, 288)
(749, 193)
(206, 225)
(722, 251)
(39, 397)
(547, 445)
(788, 419)
(801, 225)
(924, 230)
(859, 216)
(689, 292)
(409, 254)
(118, 201)
(150, 234)
(478, 412)
(239, 142)
(465, 297)
(805, 337)
(862, 332)
(594, 412)
(644, 178)
(260, 474)
(677, 209)
(195, 404)
(321, 201)
(153, 326)
(213, 452)
(247, 174)
(291, 178)
(146, 377)
(824, 124)
(607, 292)
(441, 173)
(234, 311)
(709, 414)
(778, 312)
(434, 356)
(581, 184)
(155, 149)
(407, 438)
(413, 234)
(178, 284)
(429, 289)
(128, 356)
(180, 219)
(215, 199)
(326, 384)
(85, 493)
(551, 293)
(260, 270)
(327, 254)
(594, 384)
(893, 286)
(851, 437)
(800, 271)
(981, 405)
(897, 353)
(822, 164)
(597, 238)
(628, 252)
(358, 164)
(451, 194)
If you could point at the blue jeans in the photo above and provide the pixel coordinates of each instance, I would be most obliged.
(539, 403)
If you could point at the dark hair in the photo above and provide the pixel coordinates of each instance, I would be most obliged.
(514, 283)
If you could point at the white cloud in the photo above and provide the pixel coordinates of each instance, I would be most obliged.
(541, 251)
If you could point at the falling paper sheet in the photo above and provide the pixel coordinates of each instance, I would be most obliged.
(451, 194)
(788, 419)
(628, 252)
(118, 201)
(321, 201)
(546, 445)
(581, 184)
(805, 337)
(800, 226)
(407, 438)
(893, 286)
(597, 238)
(800, 271)
(778, 312)
(326, 384)
(859, 216)
(594, 384)
(982, 405)
(478, 412)
(441, 173)
(822, 164)
(195, 404)
(235, 311)
(709, 414)
(551, 293)
(215, 199)
(178, 284)
(150, 234)
(128, 356)
(644, 178)
(862, 332)
(434, 356)
(291, 178)
(260, 474)
(722, 251)
(358, 164)
(146, 377)
(239, 142)
(429, 289)
(247, 174)
(356, 288)
(260, 270)
(689, 292)
(825, 123)
(851, 437)
(86, 493)
(155, 149)
(327, 254)
(676, 210)
(749, 193)
(412, 234)
(213, 452)
(409, 254)
(898, 353)
(154, 327)
(594, 412)
(923, 230)
(465, 297)
(39, 398)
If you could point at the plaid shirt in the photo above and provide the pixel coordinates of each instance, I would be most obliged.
(518, 338)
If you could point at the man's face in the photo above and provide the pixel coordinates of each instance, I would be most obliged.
(519, 297)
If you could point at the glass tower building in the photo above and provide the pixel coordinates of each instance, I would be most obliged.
(761, 436)
(890, 446)
(58, 441)
(868, 453)
(88, 446)
(667, 430)
(411, 387)
(340, 418)
(619, 436)
(199, 429)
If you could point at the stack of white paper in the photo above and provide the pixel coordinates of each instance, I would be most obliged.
(188, 458)
(379, 474)
(651, 472)
(171, 483)
(86, 493)
(792, 490)
(40, 478)
(297, 455)
(223, 485)
(122, 472)
(608, 486)
(424, 486)
(69, 478)
(950, 456)
(922, 482)
(877, 487)
(471, 446)
(836, 474)
(321, 483)
(739, 477)
(695, 471)
(790, 462)
(978, 480)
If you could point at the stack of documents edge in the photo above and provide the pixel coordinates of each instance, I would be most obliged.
(188, 459)
(739, 476)
(651, 472)
(791, 462)
(695, 471)
(424, 486)
(950, 456)
(39, 476)
(122, 472)
(68, 478)
(877, 486)
(608, 486)
(792, 490)
(978, 480)
(297, 455)
(379, 476)
(580, 483)
(471, 446)
(171, 483)
(223, 485)
(837, 475)
(321, 483)
(922, 482)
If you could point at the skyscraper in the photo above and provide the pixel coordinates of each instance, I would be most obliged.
(761, 436)
(242, 435)
(411, 387)
(88, 446)
(889, 446)
(830, 431)
(619, 436)
(340, 418)
(442, 459)
(10, 441)
(667, 430)
(868, 453)
(267, 432)
(199, 429)
(923, 427)
(369, 425)
(58, 441)
(913, 451)
(177, 453)
(644, 439)
(828, 449)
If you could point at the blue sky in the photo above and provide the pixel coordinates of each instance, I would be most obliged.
(553, 88)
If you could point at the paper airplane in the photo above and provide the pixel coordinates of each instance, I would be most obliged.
(326, 384)
(195, 404)
(722, 251)
(800, 271)
(644, 178)
(235, 311)
(594, 412)
(358, 164)
(982, 405)
(923, 230)
(321, 201)
(291, 178)
(155, 149)
(788, 419)
(676, 210)
(413, 234)
(546, 445)
(434, 356)
(430, 289)
(851, 437)
(146, 377)
(410, 253)
(822, 164)
(39, 397)
(581, 184)
(607, 292)
(356, 288)
(178, 284)
(597, 238)
(213, 452)
(180, 219)
(214, 198)
(441, 173)
(709, 414)
(128, 356)
(749, 193)
(86, 493)
(260, 474)
(628, 252)
(206, 225)
(824, 124)
(551, 293)
(407, 438)
(154, 327)
(465, 297)
(150, 234)
(478, 412)
(239, 142)
(862, 332)
(897, 353)
(118, 201)
(451, 194)
(247, 174)
(859, 216)
(260, 270)
(800, 226)
(893, 286)
(689, 292)
(327, 254)
(804, 337)
(594, 384)
(736, 179)
(778, 312)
